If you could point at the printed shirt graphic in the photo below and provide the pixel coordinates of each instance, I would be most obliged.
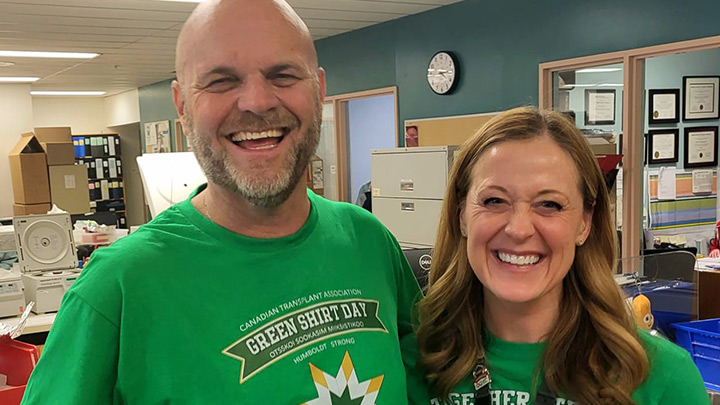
(191, 313)
(673, 377)
(303, 328)
(344, 388)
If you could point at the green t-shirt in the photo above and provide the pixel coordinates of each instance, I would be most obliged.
(183, 311)
(673, 377)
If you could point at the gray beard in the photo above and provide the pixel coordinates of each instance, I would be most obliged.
(261, 189)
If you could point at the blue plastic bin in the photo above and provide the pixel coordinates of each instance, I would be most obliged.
(702, 340)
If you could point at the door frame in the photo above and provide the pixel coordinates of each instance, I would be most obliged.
(340, 104)
(633, 61)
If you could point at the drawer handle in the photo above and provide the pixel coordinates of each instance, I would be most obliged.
(407, 185)
(407, 206)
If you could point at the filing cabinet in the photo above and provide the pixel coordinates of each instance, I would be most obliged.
(408, 186)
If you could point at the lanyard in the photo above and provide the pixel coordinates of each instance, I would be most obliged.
(482, 380)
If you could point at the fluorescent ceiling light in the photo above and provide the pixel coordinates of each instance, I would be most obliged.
(60, 55)
(67, 93)
(579, 85)
(19, 79)
(611, 85)
(598, 70)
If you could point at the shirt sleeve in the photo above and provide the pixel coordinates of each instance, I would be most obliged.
(685, 384)
(79, 362)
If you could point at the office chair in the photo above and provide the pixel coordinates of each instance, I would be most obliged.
(670, 264)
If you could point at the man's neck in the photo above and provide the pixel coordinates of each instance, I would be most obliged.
(529, 322)
(236, 214)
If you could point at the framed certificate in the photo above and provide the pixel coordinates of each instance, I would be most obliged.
(663, 106)
(663, 145)
(701, 146)
(599, 107)
(700, 96)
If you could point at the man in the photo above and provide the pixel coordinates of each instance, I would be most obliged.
(254, 290)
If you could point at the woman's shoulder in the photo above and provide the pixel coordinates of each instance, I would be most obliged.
(659, 349)
(673, 376)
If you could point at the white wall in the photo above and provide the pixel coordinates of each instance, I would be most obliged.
(122, 109)
(16, 117)
(85, 115)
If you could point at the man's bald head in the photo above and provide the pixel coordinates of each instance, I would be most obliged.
(239, 17)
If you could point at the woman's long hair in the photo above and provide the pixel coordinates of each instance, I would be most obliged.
(593, 354)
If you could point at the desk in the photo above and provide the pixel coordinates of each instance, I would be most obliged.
(708, 288)
(34, 323)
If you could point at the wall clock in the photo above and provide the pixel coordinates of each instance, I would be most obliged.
(443, 73)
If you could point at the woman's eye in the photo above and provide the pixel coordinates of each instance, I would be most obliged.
(551, 206)
(492, 201)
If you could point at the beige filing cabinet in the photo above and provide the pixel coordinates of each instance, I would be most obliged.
(408, 186)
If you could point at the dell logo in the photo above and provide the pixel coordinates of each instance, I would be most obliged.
(425, 262)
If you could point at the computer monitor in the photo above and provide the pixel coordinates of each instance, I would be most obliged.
(168, 178)
(420, 261)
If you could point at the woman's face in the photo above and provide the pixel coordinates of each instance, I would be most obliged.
(523, 218)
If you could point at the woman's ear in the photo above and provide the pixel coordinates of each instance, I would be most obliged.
(585, 227)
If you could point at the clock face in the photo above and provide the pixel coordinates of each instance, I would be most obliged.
(442, 73)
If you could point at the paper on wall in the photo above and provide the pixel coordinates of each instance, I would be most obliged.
(666, 184)
(702, 181)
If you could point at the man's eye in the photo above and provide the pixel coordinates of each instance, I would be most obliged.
(284, 80)
(220, 84)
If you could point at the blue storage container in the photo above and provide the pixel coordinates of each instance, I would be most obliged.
(702, 340)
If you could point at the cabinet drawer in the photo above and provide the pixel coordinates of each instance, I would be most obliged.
(410, 175)
(412, 221)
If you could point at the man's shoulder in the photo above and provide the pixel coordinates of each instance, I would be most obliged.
(343, 210)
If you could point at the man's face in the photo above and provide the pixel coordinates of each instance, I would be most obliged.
(251, 103)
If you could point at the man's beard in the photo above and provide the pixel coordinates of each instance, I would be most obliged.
(258, 186)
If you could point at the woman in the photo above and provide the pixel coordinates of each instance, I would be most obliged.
(522, 306)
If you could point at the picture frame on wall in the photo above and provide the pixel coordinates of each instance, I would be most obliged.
(663, 106)
(700, 98)
(599, 107)
(701, 147)
(663, 145)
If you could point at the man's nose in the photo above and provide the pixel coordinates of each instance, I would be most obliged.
(257, 95)
(520, 224)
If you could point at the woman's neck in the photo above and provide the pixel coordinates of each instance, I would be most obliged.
(528, 322)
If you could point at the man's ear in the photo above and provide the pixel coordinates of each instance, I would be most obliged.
(178, 99)
(321, 83)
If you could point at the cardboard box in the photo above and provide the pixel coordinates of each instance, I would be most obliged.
(54, 134)
(59, 153)
(28, 170)
(30, 209)
(57, 143)
(69, 188)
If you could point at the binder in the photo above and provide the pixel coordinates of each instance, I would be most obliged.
(111, 145)
(105, 168)
(112, 168)
(116, 138)
(105, 189)
(106, 148)
(99, 173)
(88, 147)
(118, 163)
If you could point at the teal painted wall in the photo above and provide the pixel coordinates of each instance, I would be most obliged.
(500, 45)
(156, 104)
